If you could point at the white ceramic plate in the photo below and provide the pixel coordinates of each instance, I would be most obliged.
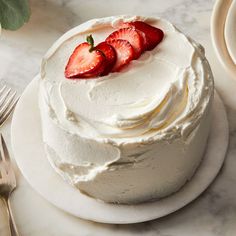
(230, 31)
(218, 20)
(29, 154)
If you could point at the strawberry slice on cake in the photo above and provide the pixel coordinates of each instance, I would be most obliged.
(112, 55)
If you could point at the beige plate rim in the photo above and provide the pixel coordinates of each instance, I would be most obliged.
(218, 19)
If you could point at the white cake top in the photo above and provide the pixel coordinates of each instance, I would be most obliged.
(162, 95)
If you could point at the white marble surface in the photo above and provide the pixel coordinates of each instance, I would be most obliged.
(213, 214)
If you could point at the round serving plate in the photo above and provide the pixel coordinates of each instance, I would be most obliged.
(29, 153)
(223, 33)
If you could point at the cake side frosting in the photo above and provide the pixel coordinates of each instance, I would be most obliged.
(124, 126)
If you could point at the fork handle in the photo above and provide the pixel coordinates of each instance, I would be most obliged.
(12, 224)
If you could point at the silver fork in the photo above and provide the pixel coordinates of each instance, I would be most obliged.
(8, 101)
(7, 182)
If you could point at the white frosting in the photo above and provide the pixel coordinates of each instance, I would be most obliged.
(130, 136)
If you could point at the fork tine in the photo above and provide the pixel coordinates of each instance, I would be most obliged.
(4, 96)
(7, 101)
(4, 151)
(8, 111)
(2, 89)
(1, 159)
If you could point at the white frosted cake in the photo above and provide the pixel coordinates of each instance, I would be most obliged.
(135, 134)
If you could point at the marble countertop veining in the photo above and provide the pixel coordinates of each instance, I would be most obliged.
(212, 214)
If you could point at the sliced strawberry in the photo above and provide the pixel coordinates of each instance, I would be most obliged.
(132, 36)
(153, 35)
(145, 43)
(124, 51)
(96, 73)
(110, 54)
(83, 62)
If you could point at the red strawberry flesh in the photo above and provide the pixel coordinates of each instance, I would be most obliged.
(110, 54)
(124, 52)
(82, 62)
(153, 35)
(132, 36)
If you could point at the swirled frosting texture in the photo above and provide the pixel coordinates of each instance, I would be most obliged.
(162, 96)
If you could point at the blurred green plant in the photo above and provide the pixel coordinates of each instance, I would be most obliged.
(14, 13)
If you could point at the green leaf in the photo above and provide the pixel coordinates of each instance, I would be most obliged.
(14, 13)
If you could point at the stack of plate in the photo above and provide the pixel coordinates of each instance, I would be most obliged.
(223, 33)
